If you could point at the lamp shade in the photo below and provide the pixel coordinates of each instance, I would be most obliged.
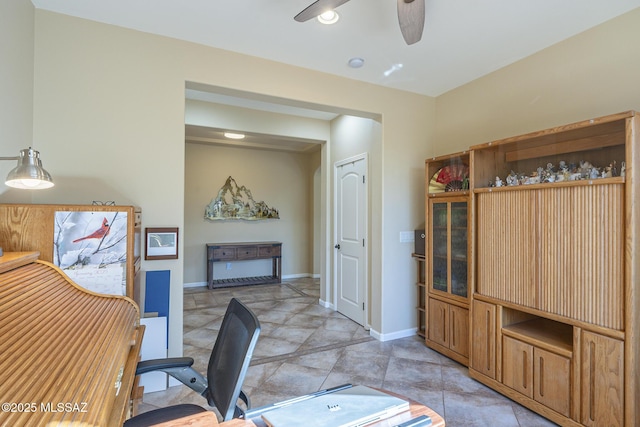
(29, 173)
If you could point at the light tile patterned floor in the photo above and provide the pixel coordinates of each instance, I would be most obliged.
(304, 347)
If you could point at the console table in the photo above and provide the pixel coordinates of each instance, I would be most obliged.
(244, 251)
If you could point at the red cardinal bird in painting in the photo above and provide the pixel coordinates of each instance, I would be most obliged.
(98, 234)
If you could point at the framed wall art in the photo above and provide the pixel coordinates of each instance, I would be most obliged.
(161, 243)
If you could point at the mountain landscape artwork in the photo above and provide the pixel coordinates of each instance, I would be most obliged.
(236, 202)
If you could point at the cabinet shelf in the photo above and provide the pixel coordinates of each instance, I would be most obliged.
(581, 183)
(448, 194)
(544, 333)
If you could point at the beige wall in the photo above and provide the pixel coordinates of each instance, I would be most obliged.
(109, 111)
(280, 179)
(16, 88)
(592, 74)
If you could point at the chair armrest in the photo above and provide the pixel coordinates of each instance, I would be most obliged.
(161, 364)
(179, 368)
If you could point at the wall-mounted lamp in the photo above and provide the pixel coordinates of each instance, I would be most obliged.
(29, 174)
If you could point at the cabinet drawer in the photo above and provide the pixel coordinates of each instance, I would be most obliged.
(248, 252)
(268, 251)
(224, 253)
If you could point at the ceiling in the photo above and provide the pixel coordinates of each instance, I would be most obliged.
(215, 136)
(462, 41)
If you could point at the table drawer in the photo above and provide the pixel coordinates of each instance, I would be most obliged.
(224, 253)
(248, 252)
(268, 251)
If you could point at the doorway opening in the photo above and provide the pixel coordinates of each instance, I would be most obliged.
(278, 129)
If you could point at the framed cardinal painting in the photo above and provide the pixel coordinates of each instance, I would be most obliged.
(91, 248)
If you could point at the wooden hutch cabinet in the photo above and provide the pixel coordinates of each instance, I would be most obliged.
(555, 311)
(448, 260)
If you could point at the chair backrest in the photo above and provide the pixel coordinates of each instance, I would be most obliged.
(230, 357)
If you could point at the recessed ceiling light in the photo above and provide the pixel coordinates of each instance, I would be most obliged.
(329, 17)
(356, 62)
(233, 135)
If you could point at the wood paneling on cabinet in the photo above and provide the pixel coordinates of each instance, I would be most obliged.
(602, 380)
(559, 250)
(507, 246)
(483, 338)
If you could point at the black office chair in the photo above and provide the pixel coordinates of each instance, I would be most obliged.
(228, 366)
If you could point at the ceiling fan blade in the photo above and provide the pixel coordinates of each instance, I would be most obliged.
(317, 8)
(411, 19)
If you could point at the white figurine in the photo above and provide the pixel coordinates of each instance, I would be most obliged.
(498, 182)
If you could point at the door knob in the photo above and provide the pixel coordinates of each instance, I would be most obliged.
(337, 246)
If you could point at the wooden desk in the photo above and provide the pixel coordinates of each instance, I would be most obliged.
(208, 419)
(69, 355)
(244, 251)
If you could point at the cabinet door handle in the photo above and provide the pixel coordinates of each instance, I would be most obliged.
(592, 381)
(524, 369)
(488, 347)
(453, 329)
(541, 375)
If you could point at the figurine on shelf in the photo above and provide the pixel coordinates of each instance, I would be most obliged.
(623, 169)
(512, 179)
(498, 182)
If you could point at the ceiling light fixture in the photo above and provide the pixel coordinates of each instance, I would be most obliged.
(356, 62)
(328, 17)
(234, 135)
(29, 174)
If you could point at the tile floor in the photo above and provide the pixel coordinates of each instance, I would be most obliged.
(304, 347)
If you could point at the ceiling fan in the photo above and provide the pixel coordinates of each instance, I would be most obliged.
(410, 16)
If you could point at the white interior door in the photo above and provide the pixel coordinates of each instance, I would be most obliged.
(350, 244)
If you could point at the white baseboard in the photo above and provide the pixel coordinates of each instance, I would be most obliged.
(394, 335)
(326, 304)
(296, 276)
(194, 284)
(287, 277)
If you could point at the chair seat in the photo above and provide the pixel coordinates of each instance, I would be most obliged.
(163, 414)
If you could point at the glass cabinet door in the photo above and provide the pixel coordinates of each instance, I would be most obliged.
(449, 246)
(439, 246)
